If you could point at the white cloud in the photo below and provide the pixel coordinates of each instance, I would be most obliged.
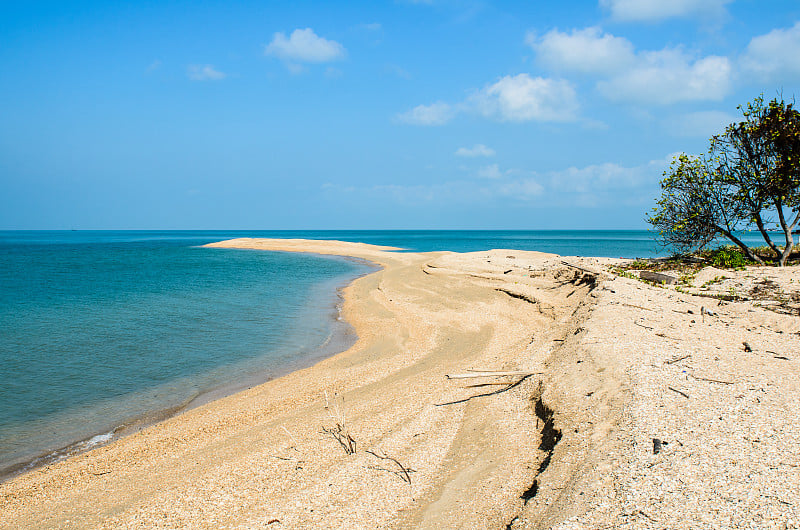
(775, 55)
(590, 186)
(599, 177)
(303, 45)
(435, 114)
(492, 171)
(204, 72)
(655, 10)
(662, 77)
(670, 76)
(523, 189)
(587, 50)
(525, 98)
(702, 124)
(474, 151)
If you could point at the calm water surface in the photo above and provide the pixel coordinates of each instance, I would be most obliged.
(102, 329)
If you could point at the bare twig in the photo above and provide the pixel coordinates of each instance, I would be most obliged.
(491, 374)
(579, 268)
(292, 437)
(679, 392)
(643, 326)
(406, 476)
(710, 380)
(498, 391)
(672, 361)
(341, 435)
(339, 432)
(637, 307)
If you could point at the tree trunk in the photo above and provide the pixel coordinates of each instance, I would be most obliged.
(787, 232)
(747, 252)
(765, 235)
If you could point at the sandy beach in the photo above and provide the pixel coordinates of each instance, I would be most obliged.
(624, 405)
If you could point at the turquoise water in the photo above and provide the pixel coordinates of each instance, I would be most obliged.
(103, 330)
(106, 329)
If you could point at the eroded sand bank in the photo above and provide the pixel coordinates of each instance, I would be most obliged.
(618, 363)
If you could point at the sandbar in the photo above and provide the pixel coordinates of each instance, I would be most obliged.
(625, 405)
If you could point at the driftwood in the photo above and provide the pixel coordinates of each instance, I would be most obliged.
(487, 373)
(658, 277)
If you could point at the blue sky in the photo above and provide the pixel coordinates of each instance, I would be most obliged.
(440, 114)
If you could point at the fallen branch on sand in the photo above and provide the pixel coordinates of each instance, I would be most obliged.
(580, 268)
(679, 392)
(671, 361)
(709, 380)
(406, 476)
(492, 374)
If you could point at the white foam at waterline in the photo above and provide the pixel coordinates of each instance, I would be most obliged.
(97, 440)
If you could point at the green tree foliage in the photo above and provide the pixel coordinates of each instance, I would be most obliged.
(750, 176)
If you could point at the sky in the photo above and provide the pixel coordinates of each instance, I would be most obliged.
(407, 114)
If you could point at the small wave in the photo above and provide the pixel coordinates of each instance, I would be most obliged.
(94, 441)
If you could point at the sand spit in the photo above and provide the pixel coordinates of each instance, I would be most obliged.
(620, 368)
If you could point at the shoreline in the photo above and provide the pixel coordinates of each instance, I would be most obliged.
(341, 337)
(569, 446)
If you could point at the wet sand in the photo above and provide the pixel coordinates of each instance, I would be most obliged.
(570, 445)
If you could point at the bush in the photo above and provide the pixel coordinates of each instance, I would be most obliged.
(727, 258)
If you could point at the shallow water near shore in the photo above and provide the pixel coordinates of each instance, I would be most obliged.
(100, 337)
(104, 332)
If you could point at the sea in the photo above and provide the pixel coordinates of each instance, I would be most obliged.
(105, 332)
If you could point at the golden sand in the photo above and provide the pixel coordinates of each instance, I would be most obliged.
(569, 446)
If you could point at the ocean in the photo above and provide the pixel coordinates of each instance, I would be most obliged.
(104, 332)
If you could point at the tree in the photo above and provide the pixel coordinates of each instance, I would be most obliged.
(751, 173)
(697, 206)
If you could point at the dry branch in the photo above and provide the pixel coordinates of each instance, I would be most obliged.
(341, 435)
(637, 306)
(579, 268)
(679, 392)
(492, 374)
(710, 380)
(406, 476)
(672, 361)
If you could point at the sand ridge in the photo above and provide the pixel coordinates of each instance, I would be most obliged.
(570, 446)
